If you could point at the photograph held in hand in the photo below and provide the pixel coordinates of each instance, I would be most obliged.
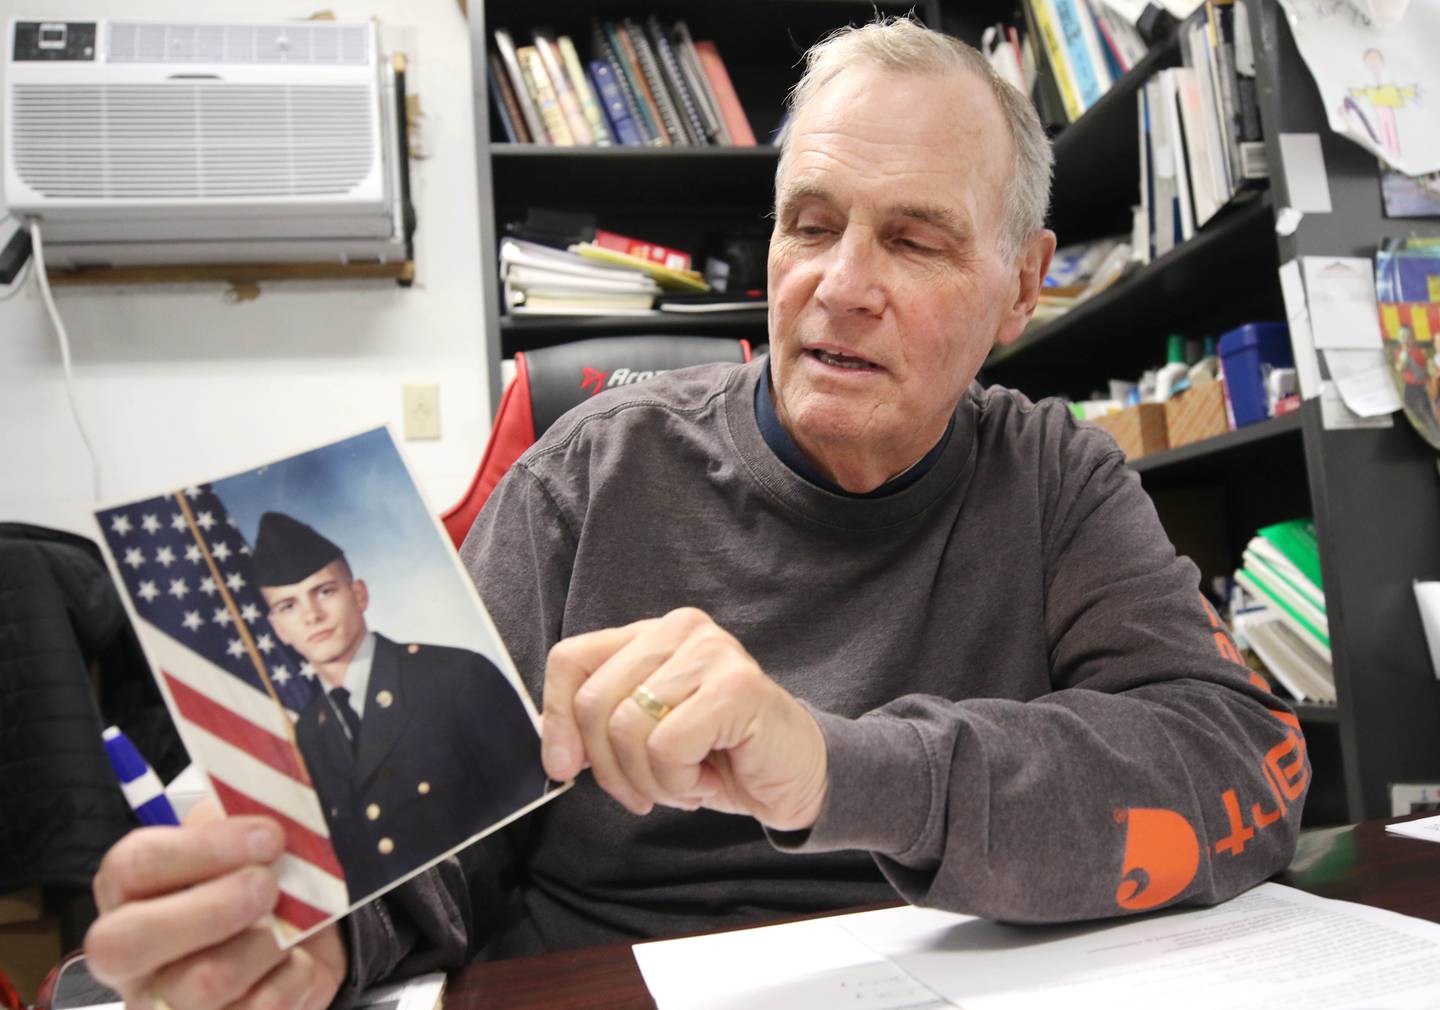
(330, 666)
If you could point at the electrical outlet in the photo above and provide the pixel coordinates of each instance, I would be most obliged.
(422, 411)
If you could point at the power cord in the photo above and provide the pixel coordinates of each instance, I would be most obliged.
(41, 276)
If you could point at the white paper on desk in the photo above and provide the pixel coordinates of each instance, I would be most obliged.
(1364, 381)
(1302, 342)
(1426, 828)
(1273, 946)
(1340, 291)
(811, 965)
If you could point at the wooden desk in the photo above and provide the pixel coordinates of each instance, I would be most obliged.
(1358, 863)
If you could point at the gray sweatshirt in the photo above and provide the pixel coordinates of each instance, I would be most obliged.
(1031, 713)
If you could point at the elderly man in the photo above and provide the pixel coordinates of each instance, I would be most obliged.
(826, 627)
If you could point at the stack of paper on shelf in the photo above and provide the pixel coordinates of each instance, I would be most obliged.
(1288, 628)
(1081, 271)
(539, 280)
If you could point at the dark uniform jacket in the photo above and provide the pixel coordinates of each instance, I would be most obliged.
(446, 749)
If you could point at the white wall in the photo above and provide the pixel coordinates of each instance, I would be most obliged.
(177, 383)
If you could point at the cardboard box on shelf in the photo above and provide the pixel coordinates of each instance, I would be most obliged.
(1196, 413)
(1140, 430)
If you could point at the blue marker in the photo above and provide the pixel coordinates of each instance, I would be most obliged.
(138, 780)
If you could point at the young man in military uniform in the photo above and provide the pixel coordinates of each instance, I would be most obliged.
(412, 748)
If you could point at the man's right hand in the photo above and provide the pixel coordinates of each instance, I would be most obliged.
(182, 921)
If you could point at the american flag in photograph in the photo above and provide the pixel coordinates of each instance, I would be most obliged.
(234, 687)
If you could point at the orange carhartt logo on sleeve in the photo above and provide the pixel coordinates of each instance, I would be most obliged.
(1162, 851)
(1161, 857)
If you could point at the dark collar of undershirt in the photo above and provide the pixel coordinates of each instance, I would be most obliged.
(784, 447)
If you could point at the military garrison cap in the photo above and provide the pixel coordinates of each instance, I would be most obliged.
(287, 550)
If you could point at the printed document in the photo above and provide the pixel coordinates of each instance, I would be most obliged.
(1272, 946)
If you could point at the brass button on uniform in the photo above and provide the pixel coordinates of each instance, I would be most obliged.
(384, 699)
(334, 811)
(386, 846)
(373, 811)
(423, 788)
(412, 648)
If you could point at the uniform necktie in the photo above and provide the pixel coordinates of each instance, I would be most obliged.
(341, 697)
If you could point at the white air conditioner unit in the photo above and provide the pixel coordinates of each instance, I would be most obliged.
(148, 142)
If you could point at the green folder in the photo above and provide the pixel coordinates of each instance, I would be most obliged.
(1296, 540)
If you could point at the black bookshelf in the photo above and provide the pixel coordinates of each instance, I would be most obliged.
(737, 183)
(1376, 492)
(1207, 451)
(1223, 276)
(686, 198)
(1097, 157)
(528, 333)
(1316, 712)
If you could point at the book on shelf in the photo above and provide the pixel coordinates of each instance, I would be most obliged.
(737, 125)
(713, 303)
(1087, 64)
(537, 82)
(634, 80)
(694, 74)
(505, 45)
(666, 277)
(1184, 205)
(1052, 45)
(1233, 55)
(1281, 569)
(685, 102)
(512, 121)
(665, 105)
(642, 83)
(618, 111)
(1121, 44)
(589, 101)
(1195, 156)
(565, 94)
(673, 258)
(1081, 49)
(537, 301)
(1303, 673)
(1160, 180)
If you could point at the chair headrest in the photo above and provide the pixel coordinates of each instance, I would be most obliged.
(567, 374)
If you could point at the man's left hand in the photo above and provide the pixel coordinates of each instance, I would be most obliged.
(731, 740)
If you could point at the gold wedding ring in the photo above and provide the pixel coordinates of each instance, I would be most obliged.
(649, 704)
(157, 1001)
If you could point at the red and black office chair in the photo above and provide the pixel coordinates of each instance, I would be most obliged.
(550, 381)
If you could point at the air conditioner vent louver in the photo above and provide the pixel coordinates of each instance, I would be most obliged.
(314, 43)
(193, 139)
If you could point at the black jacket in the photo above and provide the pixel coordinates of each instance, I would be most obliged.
(60, 621)
(446, 749)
